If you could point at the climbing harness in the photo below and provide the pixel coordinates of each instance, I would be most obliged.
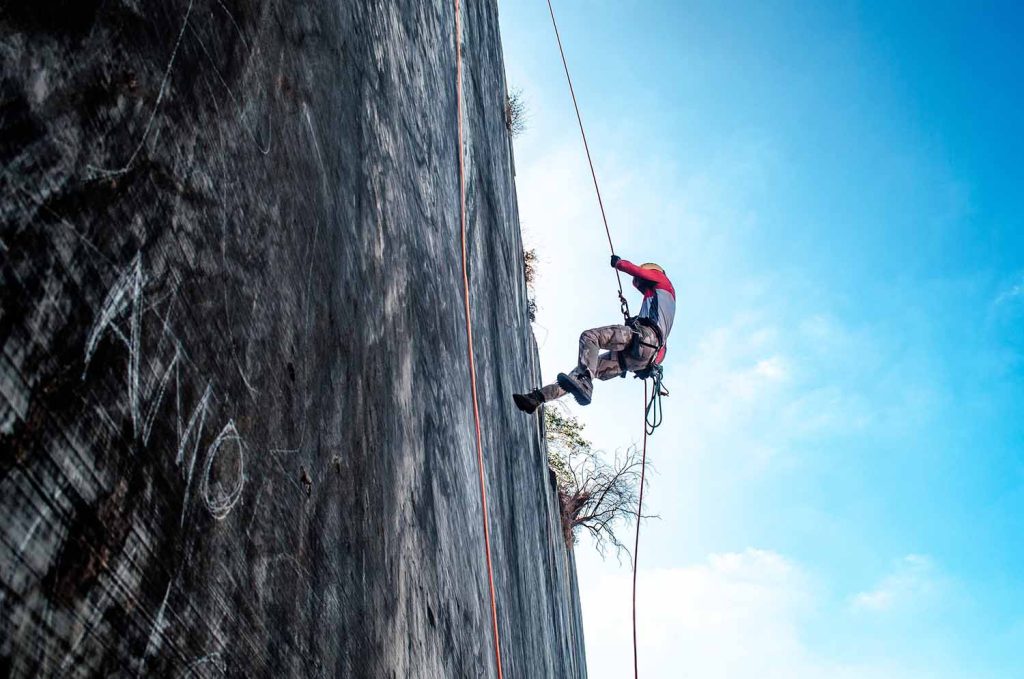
(469, 339)
(653, 415)
(635, 348)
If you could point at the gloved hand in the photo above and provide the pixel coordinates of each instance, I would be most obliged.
(615, 261)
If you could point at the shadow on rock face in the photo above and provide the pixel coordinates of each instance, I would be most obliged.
(72, 18)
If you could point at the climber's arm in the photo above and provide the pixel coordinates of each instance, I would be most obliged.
(652, 275)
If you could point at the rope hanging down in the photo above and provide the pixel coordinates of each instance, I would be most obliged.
(623, 304)
(652, 407)
(469, 339)
(652, 420)
(653, 413)
(639, 513)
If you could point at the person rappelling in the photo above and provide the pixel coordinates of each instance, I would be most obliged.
(638, 346)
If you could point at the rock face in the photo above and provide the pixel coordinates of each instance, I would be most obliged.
(237, 436)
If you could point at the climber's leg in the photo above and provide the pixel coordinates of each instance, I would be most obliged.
(608, 367)
(612, 337)
(579, 382)
(591, 364)
(610, 364)
(552, 392)
(530, 401)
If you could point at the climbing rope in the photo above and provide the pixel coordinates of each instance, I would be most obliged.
(623, 304)
(639, 513)
(652, 408)
(653, 416)
(653, 413)
(469, 340)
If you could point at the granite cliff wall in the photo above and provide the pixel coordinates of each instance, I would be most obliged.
(235, 424)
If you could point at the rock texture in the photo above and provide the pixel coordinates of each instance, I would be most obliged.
(236, 432)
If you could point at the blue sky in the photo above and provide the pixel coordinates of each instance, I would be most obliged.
(835, 190)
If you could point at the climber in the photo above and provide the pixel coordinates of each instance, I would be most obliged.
(636, 346)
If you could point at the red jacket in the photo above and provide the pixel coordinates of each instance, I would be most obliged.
(659, 298)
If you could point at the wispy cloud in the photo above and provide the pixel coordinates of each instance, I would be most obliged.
(1011, 294)
(760, 383)
(912, 579)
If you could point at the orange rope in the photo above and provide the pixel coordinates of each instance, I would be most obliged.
(636, 543)
(469, 340)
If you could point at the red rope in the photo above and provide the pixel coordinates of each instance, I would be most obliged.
(469, 341)
(636, 543)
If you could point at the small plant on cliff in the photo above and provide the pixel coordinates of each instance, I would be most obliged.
(594, 495)
(530, 271)
(516, 113)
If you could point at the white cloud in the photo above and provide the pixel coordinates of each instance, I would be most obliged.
(733, 369)
(827, 410)
(913, 579)
(721, 618)
(758, 392)
(733, 616)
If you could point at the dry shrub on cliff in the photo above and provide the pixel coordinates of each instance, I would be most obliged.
(516, 113)
(594, 494)
(530, 271)
(530, 266)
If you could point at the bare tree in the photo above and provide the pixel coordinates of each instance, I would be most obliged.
(595, 495)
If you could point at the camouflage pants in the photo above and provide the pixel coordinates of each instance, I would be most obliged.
(615, 339)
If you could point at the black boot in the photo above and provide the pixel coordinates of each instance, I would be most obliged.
(528, 402)
(579, 384)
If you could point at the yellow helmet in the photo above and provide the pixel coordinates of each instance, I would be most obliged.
(652, 265)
